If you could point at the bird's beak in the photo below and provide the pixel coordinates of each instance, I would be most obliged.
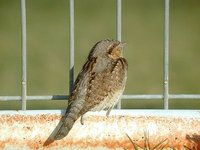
(121, 47)
(122, 44)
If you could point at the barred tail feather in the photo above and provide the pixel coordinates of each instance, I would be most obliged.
(65, 127)
(66, 123)
(61, 130)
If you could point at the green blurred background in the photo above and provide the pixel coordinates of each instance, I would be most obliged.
(142, 29)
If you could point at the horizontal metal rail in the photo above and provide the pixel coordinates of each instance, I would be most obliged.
(136, 96)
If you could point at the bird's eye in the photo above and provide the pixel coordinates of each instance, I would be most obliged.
(113, 46)
(111, 49)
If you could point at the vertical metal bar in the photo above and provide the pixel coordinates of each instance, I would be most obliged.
(119, 19)
(119, 29)
(166, 55)
(23, 45)
(71, 45)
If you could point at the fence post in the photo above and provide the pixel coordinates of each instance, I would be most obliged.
(71, 45)
(166, 55)
(119, 30)
(23, 45)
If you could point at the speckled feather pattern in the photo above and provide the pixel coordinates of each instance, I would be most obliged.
(98, 86)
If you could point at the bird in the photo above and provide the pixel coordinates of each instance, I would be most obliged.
(98, 86)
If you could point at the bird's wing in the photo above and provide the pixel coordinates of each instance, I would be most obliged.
(105, 83)
(82, 80)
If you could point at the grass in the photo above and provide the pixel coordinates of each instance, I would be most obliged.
(147, 145)
(162, 144)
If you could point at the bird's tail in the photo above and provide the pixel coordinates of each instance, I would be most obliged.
(66, 123)
(62, 129)
(73, 113)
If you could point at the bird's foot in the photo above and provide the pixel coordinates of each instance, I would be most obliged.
(108, 112)
(82, 120)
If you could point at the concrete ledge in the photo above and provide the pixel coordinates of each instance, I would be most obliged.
(30, 129)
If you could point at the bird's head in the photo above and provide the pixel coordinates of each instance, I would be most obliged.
(107, 48)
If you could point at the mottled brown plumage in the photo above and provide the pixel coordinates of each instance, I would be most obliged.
(99, 85)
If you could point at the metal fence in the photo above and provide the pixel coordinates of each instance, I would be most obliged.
(165, 96)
